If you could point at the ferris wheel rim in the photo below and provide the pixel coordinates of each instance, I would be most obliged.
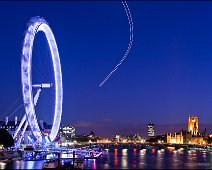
(35, 25)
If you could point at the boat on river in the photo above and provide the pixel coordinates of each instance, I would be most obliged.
(92, 155)
(50, 164)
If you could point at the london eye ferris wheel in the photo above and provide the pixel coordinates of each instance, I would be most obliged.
(30, 91)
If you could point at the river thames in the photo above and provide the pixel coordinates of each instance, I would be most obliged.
(133, 157)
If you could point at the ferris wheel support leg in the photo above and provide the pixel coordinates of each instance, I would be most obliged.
(22, 133)
(24, 119)
(19, 126)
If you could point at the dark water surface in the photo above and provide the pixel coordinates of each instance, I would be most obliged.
(132, 157)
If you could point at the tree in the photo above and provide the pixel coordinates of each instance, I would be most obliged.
(5, 138)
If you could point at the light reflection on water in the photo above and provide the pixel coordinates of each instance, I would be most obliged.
(159, 159)
(25, 165)
(90, 164)
(116, 160)
(136, 158)
(152, 158)
(175, 162)
(124, 161)
(142, 158)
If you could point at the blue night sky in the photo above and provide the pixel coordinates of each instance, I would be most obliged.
(166, 76)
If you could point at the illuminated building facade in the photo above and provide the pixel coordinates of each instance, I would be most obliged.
(151, 131)
(103, 140)
(9, 125)
(197, 140)
(117, 138)
(193, 125)
(67, 132)
(176, 138)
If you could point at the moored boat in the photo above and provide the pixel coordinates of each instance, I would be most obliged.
(50, 164)
(92, 155)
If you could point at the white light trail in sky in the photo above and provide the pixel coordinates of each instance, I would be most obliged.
(127, 10)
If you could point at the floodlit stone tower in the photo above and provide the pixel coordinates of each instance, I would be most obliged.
(193, 125)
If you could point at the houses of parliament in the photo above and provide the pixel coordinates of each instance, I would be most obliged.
(189, 136)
